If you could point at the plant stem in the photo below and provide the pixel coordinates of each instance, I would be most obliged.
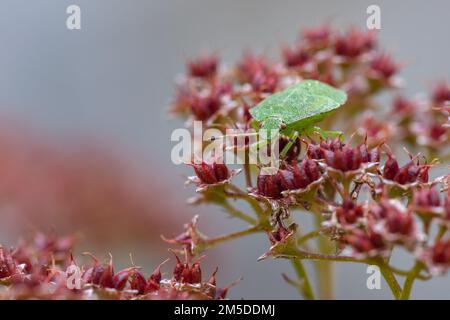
(324, 268)
(239, 194)
(238, 214)
(217, 240)
(306, 289)
(248, 174)
(409, 281)
(308, 236)
(389, 277)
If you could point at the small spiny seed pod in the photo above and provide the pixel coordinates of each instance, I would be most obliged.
(311, 169)
(156, 274)
(286, 178)
(337, 160)
(423, 176)
(138, 282)
(363, 153)
(178, 269)
(365, 242)
(315, 151)
(106, 279)
(349, 212)
(120, 279)
(212, 280)
(211, 173)
(391, 168)
(301, 179)
(398, 222)
(196, 273)
(269, 185)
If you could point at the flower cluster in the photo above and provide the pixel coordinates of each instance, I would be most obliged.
(349, 60)
(44, 268)
(366, 203)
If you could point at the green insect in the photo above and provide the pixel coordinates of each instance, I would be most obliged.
(296, 109)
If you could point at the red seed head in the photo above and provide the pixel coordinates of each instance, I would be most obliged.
(294, 57)
(365, 241)
(138, 282)
(441, 252)
(398, 222)
(426, 198)
(311, 169)
(441, 93)
(204, 66)
(349, 212)
(211, 173)
(383, 65)
(120, 279)
(391, 168)
(269, 185)
(196, 273)
(354, 43)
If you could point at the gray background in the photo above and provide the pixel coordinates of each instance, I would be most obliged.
(113, 79)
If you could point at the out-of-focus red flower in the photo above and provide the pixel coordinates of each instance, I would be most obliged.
(78, 188)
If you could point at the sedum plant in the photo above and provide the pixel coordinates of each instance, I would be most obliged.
(374, 176)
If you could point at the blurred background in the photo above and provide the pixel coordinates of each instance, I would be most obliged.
(85, 135)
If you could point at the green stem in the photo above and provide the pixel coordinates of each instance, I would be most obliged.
(306, 288)
(409, 281)
(324, 268)
(308, 236)
(389, 277)
(238, 214)
(217, 240)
